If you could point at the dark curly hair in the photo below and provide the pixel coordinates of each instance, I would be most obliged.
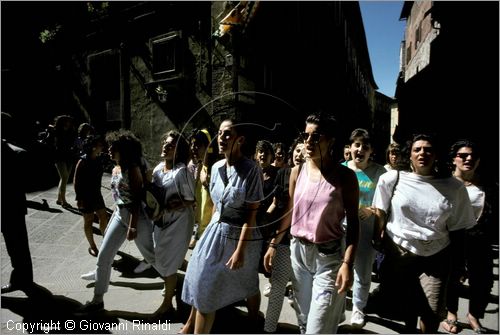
(90, 142)
(283, 147)
(266, 147)
(440, 165)
(128, 145)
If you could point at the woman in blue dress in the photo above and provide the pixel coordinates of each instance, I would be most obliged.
(223, 268)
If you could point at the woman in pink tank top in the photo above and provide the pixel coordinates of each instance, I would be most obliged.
(322, 193)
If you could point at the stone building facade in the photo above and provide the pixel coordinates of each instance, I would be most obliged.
(448, 83)
(155, 66)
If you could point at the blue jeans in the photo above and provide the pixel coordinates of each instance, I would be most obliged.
(319, 305)
(114, 236)
(363, 264)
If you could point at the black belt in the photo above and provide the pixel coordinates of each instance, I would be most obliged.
(327, 248)
(303, 241)
(128, 206)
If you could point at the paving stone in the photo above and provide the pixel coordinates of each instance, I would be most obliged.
(59, 253)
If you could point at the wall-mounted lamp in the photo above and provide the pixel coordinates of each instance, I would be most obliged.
(162, 93)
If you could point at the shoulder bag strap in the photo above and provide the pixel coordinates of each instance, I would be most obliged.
(388, 213)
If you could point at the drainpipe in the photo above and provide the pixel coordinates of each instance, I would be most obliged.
(124, 87)
(235, 39)
(235, 34)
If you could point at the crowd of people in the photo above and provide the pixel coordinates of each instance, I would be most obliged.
(313, 225)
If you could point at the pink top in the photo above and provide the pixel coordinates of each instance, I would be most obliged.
(318, 209)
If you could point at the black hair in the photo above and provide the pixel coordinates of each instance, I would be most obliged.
(181, 146)
(283, 148)
(266, 147)
(327, 124)
(243, 129)
(362, 134)
(60, 120)
(203, 136)
(128, 145)
(457, 146)
(440, 166)
(82, 128)
(199, 136)
(298, 140)
(90, 142)
(463, 143)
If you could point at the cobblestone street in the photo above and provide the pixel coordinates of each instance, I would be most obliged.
(59, 253)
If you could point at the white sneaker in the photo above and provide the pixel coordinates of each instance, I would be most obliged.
(143, 266)
(342, 317)
(163, 292)
(290, 296)
(88, 276)
(267, 290)
(357, 318)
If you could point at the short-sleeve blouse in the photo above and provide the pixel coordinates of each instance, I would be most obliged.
(177, 181)
(244, 185)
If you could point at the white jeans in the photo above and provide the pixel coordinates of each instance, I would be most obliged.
(319, 305)
(363, 264)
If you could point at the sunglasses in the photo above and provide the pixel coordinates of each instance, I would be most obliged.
(464, 155)
(315, 137)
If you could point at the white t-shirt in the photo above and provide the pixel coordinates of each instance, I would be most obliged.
(424, 209)
(177, 182)
(477, 197)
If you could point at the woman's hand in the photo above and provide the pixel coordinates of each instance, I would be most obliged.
(344, 278)
(204, 177)
(268, 259)
(365, 212)
(379, 229)
(131, 233)
(159, 216)
(236, 261)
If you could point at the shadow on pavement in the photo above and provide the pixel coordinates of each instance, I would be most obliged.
(43, 206)
(390, 324)
(73, 210)
(462, 325)
(55, 314)
(232, 320)
(146, 318)
(139, 286)
(347, 329)
(229, 320)
(126, 265)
